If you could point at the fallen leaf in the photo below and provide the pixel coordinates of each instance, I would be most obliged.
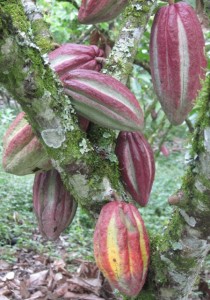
(75, 296)
(9, 276)
(4, 265)
(85, 285)
(38, 279)
(88, 270)
(61, 290)
(3, 298)
(37, 295)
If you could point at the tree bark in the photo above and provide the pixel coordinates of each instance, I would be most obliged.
(176, 255)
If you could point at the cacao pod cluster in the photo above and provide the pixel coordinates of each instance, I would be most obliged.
(96, 97)
(121, 243)
(23, 154)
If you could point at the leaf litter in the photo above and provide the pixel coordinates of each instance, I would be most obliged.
(37, 276)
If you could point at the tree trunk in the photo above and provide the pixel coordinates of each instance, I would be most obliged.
(176, 255)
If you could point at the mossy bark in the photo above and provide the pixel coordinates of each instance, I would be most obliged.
(177, 255)
(27, 76)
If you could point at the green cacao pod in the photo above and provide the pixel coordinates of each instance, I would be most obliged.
(53, 205)
(121, 247)
(177, 59)
(22, 152)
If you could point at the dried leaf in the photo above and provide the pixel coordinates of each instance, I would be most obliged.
(9, 276)
(4, 265)
(74, 296)
(37, 295)
(38, 278)
(3, 298)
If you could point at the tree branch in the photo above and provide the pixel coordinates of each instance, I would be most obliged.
(121, 59)
(143, 64)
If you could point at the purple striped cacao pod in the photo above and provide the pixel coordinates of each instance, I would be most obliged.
(73, 56)
(22, 152)
(136, 164)
(83, 123)
(103, 100)
(177, 59)
(121, 247)
(96, 11)
(53, 205)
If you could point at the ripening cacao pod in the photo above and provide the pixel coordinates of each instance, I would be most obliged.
(121, 247)
(53, 205)
(136, 164)
(96, 11)
(177, 59)
(103, 100)
(73, 56)
(22, 152)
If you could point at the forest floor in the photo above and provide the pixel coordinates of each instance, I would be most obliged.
(36, 276)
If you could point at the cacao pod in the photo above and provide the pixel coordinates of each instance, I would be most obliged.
(177, 59)
(137, 165)
(73, 56)
(22, 152)
(96, 11)
(103, 100)
(121, 247)
(53, 205)
(83, 123)
(164, 150)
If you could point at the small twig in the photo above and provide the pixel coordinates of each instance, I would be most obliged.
(163, 140)
(159, 128)
(73, 2)
(143, 64)
(189, 125)
(149, 109)
(170, 2)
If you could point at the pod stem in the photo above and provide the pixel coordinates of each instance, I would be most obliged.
(170, 2)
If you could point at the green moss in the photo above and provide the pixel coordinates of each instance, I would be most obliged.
(145, 295)
(203, 120)
(41, 35)
(14, 9)
(184, 264)
(188, 181)
(139, 11)
(173, 231)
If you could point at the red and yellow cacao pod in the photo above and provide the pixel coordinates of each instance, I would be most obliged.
(53, 205)
(73, 56)
(103, 100)
(136, 164)
(177, 59)
(121, 247)
(96, 11)
(22, 152)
